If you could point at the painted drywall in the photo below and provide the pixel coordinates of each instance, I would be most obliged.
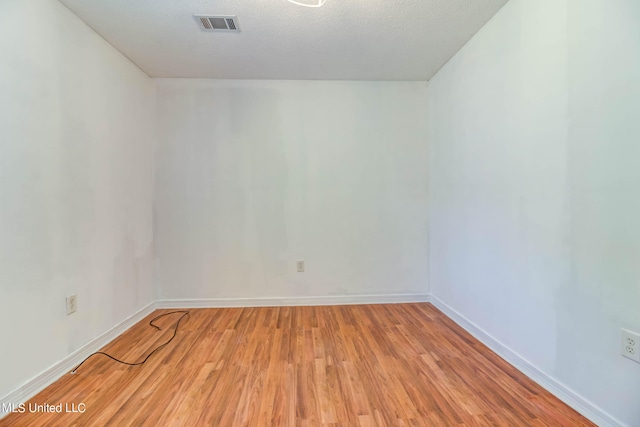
(76, 159)
(534, 178)
(252, 176)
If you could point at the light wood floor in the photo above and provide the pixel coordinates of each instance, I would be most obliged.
(368, 365)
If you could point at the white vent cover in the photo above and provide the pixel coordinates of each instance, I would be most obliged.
(218, 23)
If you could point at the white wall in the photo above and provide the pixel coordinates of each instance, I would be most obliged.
(76, 146)
(255, 175)
(534, 190)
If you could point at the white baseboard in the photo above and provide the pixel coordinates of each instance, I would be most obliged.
(52, 374)
(562, 392)
(291, 301)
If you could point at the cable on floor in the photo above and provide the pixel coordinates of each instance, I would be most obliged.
(175, 331)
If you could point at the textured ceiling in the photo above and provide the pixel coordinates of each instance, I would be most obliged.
(343, 40)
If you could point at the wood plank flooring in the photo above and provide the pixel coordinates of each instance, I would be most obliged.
(362, 365)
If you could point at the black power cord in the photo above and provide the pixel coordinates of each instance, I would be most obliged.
(175, 331)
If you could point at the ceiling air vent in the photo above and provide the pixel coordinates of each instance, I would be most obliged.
(217, 23)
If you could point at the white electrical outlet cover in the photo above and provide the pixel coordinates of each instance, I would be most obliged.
(630, 345)
(72, 304)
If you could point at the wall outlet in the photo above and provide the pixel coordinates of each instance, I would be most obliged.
(300, 266)
(631, 345)
(72, 304)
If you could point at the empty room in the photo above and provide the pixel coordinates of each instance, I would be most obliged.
(320, 213)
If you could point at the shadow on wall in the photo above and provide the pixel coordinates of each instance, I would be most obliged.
(256, 119)
(233, 222)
